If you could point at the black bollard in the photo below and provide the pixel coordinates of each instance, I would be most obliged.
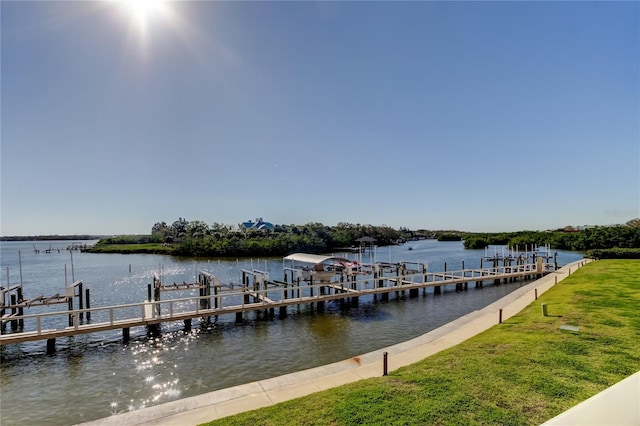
(385, 363)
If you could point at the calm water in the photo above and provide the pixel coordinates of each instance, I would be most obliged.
(93, 376)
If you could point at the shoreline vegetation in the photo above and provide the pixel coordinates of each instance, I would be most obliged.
(524, 371)
(198, 239)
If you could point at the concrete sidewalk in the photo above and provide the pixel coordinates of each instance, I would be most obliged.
(617, 405)
(225, 402)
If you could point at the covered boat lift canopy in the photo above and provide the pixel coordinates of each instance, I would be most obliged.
(320, 267)
(314, 258)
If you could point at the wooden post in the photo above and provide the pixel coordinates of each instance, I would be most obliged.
(80, 301)
(500, 317)
(153, 330)
(536, 293)
(125, 335)
(424, 279)
(51, 346)
(385, 363)
(14, 311)
(201, 302)
(70, 304)
(354, 300)
(88, 303)
(283, 309)
(156, 293)
(187, 325)
(375, 284)
(20, 309)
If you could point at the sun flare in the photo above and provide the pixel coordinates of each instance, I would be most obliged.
(143, 11)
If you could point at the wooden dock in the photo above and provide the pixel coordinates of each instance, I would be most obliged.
(256, 293)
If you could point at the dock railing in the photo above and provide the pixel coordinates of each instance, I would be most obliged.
(237, 300)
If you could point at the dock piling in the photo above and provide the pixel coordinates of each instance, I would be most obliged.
(88, 304)
(51, 346)
(14, 311)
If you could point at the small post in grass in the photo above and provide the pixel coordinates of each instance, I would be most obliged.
(500, 317)
(536, 293)
(385, 364)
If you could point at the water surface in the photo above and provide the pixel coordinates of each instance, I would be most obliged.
(93, 376)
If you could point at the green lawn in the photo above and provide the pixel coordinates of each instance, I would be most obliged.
(523, 371)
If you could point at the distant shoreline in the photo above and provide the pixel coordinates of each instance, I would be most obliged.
(52, 237)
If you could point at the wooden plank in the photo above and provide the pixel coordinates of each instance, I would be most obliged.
(261, 297)
(337, 287)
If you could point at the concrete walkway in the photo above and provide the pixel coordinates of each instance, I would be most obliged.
(617, 405)
(225, 402)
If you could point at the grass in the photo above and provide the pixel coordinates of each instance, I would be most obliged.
(155, 248)
(521, 372)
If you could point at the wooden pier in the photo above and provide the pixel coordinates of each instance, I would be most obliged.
(256, 293)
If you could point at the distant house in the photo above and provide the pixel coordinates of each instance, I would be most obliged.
(259, 224)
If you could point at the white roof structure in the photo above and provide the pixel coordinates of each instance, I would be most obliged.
(313, 258)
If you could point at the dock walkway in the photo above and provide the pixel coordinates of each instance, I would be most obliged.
(266, 296)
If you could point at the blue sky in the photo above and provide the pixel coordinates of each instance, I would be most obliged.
(479, 116)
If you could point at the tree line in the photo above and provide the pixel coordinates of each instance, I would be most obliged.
(197, 238)
(597, 237)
